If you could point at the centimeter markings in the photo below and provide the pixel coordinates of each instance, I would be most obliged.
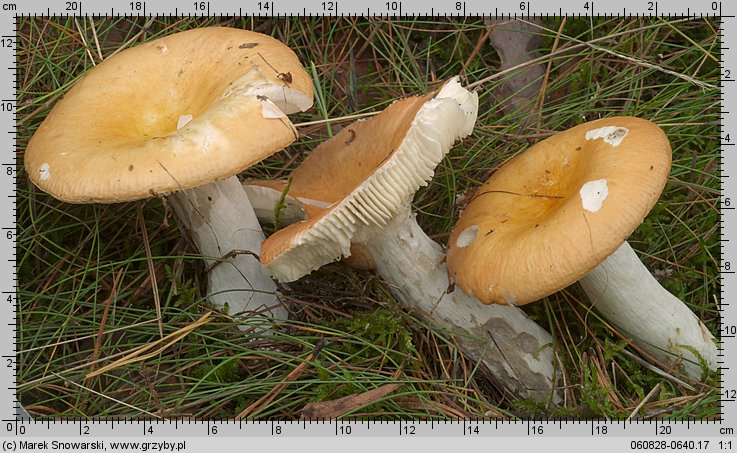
(728, 282)
(371, 8)
(110, 427)
(120, 427)
(8, 187)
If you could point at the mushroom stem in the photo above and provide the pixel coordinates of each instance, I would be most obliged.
(516, 350)
(227, 234)
(624, 292)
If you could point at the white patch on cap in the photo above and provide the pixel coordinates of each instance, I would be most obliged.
(270, 110)
(467, 236)
(44, 172)
(593, 194)
(183, 121)
(611, 134)
(163, 49)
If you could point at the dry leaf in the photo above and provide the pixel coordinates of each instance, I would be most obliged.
(337, 408)
(517, 42)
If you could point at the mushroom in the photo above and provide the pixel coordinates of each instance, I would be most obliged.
(181, 114)
(356, 188)
(561, 212)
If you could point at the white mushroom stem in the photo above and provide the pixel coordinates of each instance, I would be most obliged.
(624, 292)
(227, 234)
(516, 350)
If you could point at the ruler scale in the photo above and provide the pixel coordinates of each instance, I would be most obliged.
(10, 166)
(729, 222)
(680, 434)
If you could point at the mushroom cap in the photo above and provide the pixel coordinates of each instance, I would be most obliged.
(270, 200)
(354, 183)
(553, 213)
(173, 113)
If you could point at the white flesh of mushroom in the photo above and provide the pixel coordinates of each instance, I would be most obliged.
(225, 229)
(516, 349)
(625, 293)
(450, 115)
(220, 220)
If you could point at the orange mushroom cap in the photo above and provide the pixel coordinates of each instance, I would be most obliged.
(358, 180)
(174, 113)
(553, 213)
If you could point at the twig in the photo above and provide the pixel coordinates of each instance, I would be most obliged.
(94, 35)
(151, 268)
(137, 355)
(40, 108)
(656, 370)
(103, 321)
(634, 60)
(77, 339)
(229, 255)
(544, 87)
(143, 30)
(475, 50)
(334, 409)
(104, 396)
(269, 397)
(84, 41)
(340, 118)
(644, 400)
(561, 51)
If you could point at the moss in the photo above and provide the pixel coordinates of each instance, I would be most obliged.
(384, 329)
(221, 371)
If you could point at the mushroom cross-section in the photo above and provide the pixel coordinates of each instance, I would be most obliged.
(181, 113)
(356, 188)
(560, 212)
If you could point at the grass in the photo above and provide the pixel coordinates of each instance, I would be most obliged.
(85, 297)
